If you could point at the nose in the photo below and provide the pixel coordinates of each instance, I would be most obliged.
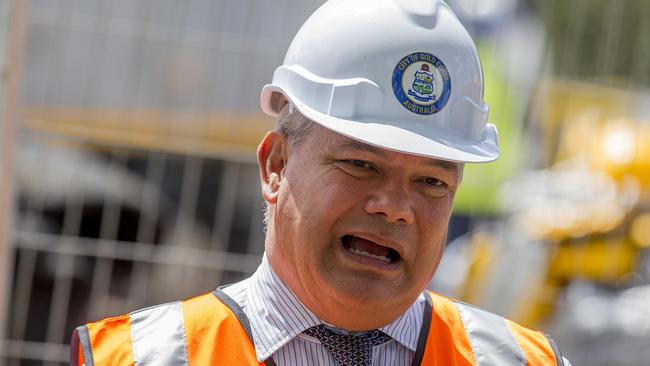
(391, 200)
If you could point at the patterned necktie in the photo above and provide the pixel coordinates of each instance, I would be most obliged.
(349, 350)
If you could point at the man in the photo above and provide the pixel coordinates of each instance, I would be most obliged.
(380, 105)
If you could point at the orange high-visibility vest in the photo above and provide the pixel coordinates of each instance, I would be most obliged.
(212, 330)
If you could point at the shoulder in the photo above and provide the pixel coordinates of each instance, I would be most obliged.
(168, 315)
(180, 327)
(474, 318)
(486, 333)
(238, 291)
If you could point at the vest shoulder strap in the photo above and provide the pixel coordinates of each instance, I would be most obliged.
(217, 331)
(461, 334)
(447, 343)
(199, 331)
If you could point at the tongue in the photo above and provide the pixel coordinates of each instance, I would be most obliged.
(368, 246)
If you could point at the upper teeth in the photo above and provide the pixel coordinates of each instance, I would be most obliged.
(361, 252)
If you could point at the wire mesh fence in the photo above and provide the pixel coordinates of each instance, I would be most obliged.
(140, 228)
(135, 179)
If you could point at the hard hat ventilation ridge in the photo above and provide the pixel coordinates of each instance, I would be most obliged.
(421, 12)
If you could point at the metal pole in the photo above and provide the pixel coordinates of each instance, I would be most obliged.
(12, 16)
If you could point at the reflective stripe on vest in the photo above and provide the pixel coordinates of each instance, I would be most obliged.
(212, 330)
(158, 336)
(492, 342)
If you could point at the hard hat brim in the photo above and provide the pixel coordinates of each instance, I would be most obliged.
(388, 136)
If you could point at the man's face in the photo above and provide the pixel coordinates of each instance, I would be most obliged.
(357, 225)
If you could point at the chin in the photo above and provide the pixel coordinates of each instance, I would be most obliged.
(364, 292)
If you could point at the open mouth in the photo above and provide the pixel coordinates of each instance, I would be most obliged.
(367, 248)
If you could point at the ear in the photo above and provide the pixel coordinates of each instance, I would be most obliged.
(271, 158)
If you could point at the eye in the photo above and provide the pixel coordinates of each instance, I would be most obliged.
(434, 182)
(360, 163)
(358, 168)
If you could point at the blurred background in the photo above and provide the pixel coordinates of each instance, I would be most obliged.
(128, 176)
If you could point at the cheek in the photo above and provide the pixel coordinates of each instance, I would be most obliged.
(308, 206)
(331, 193)
(435, 216)
(433, 225)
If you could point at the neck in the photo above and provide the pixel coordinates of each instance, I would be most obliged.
(348, 313)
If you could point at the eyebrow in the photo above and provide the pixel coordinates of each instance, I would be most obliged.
(358, 145)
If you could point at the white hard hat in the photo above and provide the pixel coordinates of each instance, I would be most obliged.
(399, 74)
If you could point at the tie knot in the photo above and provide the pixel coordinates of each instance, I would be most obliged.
(349, 350)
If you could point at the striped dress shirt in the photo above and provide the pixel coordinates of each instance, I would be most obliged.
(278, 320)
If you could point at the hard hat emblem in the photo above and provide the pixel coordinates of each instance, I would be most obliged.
(421, 83)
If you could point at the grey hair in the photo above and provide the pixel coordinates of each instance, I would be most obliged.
(294, 126)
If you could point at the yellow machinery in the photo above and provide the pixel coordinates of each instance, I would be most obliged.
(584, 218)
(601, 241)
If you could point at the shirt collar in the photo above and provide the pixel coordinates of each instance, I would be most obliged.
(276, 316)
